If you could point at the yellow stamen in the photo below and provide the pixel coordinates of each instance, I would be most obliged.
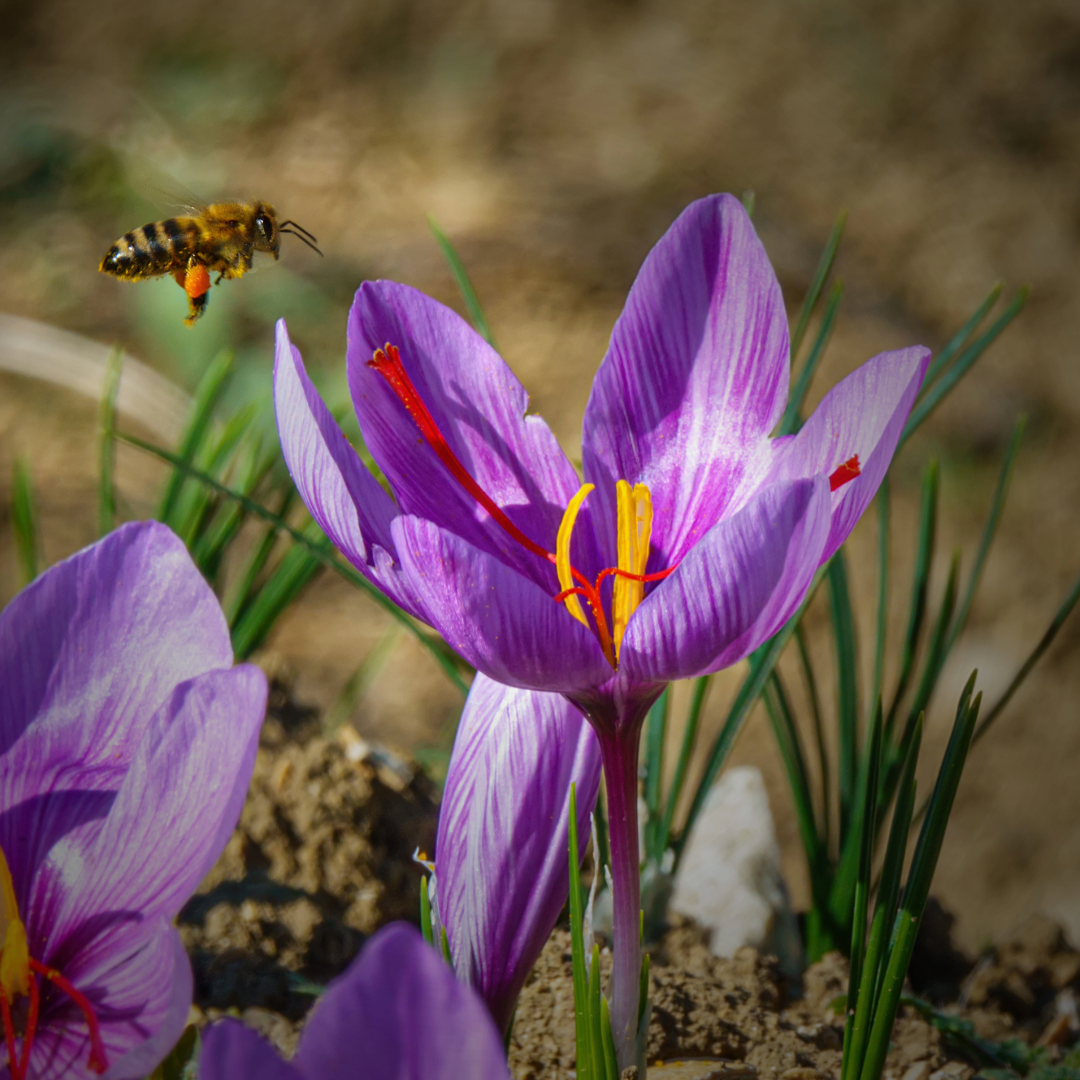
(634, 536)
(562, 552)
(15, 958)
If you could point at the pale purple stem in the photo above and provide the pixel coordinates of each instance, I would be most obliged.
(620, 756)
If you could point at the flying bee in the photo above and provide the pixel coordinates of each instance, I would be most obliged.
(220, 238)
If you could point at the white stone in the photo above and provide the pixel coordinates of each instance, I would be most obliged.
(729, 879)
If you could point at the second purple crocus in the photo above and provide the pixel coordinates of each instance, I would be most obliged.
(695, 536)
(397, 1013)
(127, 741)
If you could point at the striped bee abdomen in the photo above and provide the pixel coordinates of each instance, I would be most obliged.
(160, 247)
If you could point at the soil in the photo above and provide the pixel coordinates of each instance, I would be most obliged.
(320, 859)
(323, 856)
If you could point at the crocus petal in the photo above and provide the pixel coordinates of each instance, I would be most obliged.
(480, 407)
(696, 376)
(140, 987)
(231, 1051)
(342, 495)
(172, 816)
(173, 1008)
(865, 415)
(90, 651)
(501, 854)
(502, 623)
(398, 1013)
(747, 572)
(105, 634)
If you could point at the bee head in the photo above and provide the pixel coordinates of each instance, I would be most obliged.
(267, 236)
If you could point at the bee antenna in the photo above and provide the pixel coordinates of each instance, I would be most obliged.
(300, 236)
(299, 229)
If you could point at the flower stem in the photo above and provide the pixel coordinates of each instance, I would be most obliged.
(620, 753)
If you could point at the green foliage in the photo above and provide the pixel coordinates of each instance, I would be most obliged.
(24, 522)
(183, 1060)
(592, 1026)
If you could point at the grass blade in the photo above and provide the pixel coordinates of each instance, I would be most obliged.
(880, 628)
(959, 340)
(438, 649)
(107, 441)
(997, 506)
(425, 911)
(762, 662)
(791, 420)
(923, 864)
(295, 570)
(344, 706)
(821, 274)
(207, 394)
(653, 765)
(582, 1025)
(960, 366)
(468, 293)
(884, 912)
(920, 582)
(786, 732)
(847, 675)
(24, 521)
(867, 814)
(686, 751)
(1045, 641)
(824, 768)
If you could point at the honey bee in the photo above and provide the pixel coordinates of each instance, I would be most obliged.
(221, 238)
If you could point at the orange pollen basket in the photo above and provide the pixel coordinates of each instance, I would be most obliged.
(387, 362)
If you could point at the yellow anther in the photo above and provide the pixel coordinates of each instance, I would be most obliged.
(562, 552)
(15, 958)
(634, 536)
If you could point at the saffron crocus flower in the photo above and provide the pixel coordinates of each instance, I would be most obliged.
(398, 1013)
(127, 741)
(696, 534)
(502, 870)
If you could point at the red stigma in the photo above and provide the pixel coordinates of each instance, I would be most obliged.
(845, 473)
(98, 1062)
(387, 362)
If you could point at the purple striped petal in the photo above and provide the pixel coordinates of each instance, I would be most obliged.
(342, 495)
(398, 1013)
(502, 623)
(105, 634)
(501, 854)
(171, 818)
(480, 407)
(865, 415)
(140, 989)
(231, 1051)
(749, 573)
(695, 378)
(90, 652)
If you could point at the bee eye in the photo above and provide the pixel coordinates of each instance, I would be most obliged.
(262, 223)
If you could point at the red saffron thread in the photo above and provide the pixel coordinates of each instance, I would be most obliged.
(844, 474)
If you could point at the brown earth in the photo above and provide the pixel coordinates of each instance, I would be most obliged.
(555, 140)
(320, 860)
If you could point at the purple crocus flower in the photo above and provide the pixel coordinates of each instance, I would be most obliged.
(709, 529)
(502, 870)
(127, 741)
(397, 1013)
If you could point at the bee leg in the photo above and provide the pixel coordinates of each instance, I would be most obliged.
(180, 276)
(196, 306)
(196, 284)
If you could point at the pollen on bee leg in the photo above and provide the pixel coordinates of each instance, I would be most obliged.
(196, 280)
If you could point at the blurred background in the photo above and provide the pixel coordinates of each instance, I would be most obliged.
(554, 141)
